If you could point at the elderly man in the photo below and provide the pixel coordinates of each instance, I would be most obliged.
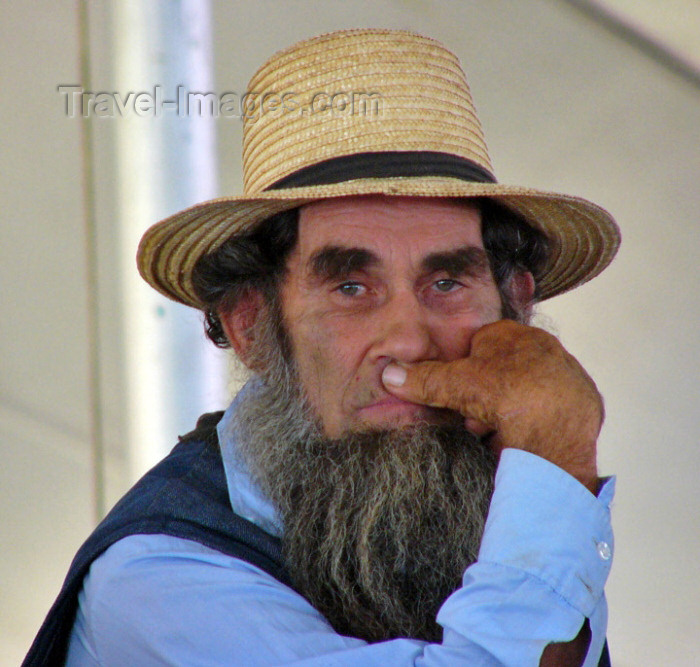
(409, 476)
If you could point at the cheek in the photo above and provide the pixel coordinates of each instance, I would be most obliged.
(454, 335)
(454, 340)
(324, 359)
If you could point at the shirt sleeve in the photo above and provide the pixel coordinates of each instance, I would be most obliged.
(544, 559)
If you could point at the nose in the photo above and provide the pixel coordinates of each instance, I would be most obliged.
(403, 330)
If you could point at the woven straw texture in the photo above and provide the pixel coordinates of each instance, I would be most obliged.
(356, 92)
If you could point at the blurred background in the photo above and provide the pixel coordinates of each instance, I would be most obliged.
(98, 374)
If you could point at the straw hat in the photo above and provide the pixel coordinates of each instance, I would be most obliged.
(368, 112)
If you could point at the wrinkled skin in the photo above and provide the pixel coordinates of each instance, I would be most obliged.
(386, 290)
(520, 384)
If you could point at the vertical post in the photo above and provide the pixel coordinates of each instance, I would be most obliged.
(91, 261)
(166, 162)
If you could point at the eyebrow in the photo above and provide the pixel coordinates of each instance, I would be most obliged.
(465, 261)
(333, 262)
(337, 262)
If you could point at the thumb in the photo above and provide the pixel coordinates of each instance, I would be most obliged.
(453, 385)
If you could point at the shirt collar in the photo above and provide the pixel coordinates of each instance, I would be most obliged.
(247, 498)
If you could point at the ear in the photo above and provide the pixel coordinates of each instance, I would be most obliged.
(522, 293)
(238, 322)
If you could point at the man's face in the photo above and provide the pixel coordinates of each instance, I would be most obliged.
(375, 279)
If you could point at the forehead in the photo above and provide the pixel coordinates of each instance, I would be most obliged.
(418, 225)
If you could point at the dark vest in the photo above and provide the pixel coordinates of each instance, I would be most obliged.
(186, 496)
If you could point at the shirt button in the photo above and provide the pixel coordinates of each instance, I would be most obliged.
(604, 550)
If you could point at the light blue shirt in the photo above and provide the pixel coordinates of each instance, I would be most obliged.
(544, 560)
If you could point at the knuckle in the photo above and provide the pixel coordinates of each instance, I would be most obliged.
(429, 383)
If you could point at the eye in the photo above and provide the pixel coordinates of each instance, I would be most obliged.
(351, 289)
(446, 285)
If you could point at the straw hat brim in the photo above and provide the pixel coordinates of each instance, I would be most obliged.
(583, 236)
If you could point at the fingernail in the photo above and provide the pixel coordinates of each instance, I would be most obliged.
(394, 375)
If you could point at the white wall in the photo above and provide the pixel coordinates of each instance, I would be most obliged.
(45, 478)
(565, 105)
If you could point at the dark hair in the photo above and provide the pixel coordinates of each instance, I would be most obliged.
(257, 260)
(513, 247)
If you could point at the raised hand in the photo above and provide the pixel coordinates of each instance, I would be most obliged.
(519, 384)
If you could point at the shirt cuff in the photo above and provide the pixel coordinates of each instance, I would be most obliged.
(544, 522)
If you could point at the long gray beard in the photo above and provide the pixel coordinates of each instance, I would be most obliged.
(379, 526)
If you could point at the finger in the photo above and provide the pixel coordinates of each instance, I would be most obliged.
(453, 385)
